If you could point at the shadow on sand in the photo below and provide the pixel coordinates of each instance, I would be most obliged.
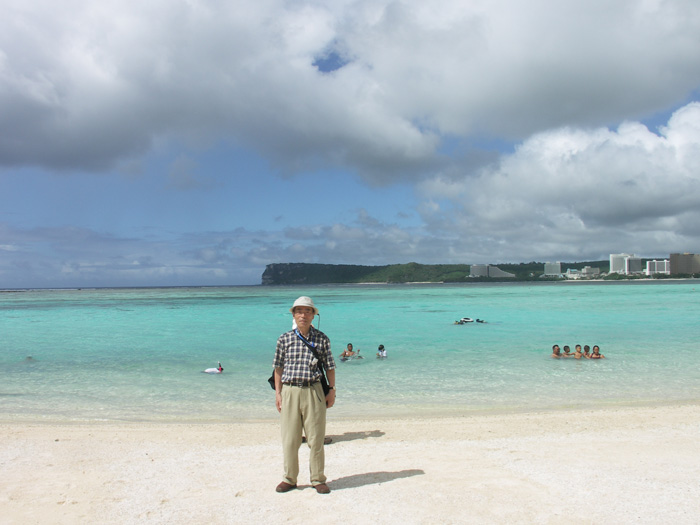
(372, 478)
(352, 436)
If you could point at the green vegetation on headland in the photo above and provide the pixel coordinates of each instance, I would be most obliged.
(303, 273)
(306, 273)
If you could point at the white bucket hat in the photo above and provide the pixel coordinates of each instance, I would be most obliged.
(304, 301)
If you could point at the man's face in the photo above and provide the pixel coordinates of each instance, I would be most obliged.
(303, 315)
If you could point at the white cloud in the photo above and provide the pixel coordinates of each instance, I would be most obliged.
(421, 93)
(86, 85)
(574, 192)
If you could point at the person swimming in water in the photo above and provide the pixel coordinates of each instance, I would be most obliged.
(587, 352)
(556, 352)
(216, 370)
(596, 353)
(348, 352)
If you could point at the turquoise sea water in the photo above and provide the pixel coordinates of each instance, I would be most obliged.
(137, 354)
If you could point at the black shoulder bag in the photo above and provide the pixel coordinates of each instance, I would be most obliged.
(322, 366)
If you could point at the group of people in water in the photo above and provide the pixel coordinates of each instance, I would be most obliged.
(350, 353)
(345, 355)
(578, 353)
(466, 320)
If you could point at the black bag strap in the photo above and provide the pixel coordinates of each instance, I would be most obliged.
(312, 347)
(321, 363)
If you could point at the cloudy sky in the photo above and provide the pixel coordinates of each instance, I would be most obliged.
(192, 142)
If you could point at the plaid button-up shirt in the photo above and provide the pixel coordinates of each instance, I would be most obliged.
(296, 358)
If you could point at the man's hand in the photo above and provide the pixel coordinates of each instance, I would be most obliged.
(330, 398)
(278, 388)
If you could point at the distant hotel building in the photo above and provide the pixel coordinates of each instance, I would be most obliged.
(585, 273)
(590, 272)
(625, 263)
(479, 270)
(552, 269)
(486, 270)
(685, 263)
(655, 266)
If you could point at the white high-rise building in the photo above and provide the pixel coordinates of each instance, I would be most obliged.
(552, 268)
(625, 263)
(617, 262)
(486, 270)
(658, 267)
(479, 270)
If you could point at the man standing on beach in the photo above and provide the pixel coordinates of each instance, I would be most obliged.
(299, 395)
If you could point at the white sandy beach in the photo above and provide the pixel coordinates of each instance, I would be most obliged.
(621, 465)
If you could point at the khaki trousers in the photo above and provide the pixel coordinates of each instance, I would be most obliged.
(303, 409)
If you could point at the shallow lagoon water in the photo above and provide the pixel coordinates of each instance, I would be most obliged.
(137, 354)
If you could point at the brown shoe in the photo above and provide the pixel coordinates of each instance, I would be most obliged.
(322, 488)
(285, 487)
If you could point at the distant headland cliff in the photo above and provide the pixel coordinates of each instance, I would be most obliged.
(307, 273)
